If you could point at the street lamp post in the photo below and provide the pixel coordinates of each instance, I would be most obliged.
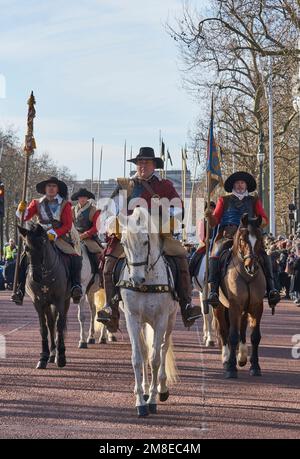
(296, 105)
(260, 159)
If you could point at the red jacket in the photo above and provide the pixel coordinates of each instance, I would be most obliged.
(66, 217)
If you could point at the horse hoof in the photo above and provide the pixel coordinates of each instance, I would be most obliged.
(163, 397)
(51, 359)
(42, 364)
(143, 411)
(61, 361)
(102, 341)
(210, 344)
(152, 408)
(242, 363)
(255, 372)
(231, 374)
(92, 341)
(82, 345)
(113, 339)
(146, 397)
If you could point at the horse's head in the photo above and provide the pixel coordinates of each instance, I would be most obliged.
(136, 244)
(35, 241)
(248, 242)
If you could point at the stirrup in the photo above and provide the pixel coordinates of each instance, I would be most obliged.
(193, 312)
(213, 299)
(76, 294)
(17, 297)
(104, 315)
(273, 297)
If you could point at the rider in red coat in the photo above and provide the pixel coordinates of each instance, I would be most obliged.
(227, 215)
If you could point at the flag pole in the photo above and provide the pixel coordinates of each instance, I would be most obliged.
(125, 154)
(166, 167)
(207, 226)
(93, 146)
(184, 190)
(100, 172)
(130, 167)
(207, 241)
(28, 149)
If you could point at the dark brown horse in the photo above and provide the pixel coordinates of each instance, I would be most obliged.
(242, 291)
(48, 286)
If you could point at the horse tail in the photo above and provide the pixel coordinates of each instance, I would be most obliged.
(171, 368)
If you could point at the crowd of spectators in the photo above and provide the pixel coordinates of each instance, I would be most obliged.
(285, 254)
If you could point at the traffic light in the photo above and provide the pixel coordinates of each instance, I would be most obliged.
(1, 200)
(292, 213)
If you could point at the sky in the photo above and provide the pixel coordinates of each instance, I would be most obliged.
(98, 68)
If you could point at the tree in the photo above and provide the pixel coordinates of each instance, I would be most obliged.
(12, 167)
(227, 52)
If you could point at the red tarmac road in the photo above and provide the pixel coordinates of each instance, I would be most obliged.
(92, 397)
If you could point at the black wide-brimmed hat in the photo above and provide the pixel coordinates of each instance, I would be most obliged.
(82, 193)
(148, 153)
(62, 187)
(245, 176)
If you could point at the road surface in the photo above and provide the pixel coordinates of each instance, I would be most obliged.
(92, 397)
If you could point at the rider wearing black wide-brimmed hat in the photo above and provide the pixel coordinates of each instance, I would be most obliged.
(146, 185)
(86, 219)
(54, 213)
(227, 215)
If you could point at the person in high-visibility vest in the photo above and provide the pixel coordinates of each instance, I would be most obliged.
(10, 250)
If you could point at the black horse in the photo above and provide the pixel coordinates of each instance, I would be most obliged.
(48, 286)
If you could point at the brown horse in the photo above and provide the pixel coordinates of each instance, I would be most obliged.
(241, 295)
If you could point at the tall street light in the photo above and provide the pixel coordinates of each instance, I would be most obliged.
(296, 105)
(261, 159)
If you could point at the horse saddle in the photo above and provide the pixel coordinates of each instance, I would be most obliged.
(172, 272)
(195, 263)
(118, 269)
(93, 261)
(224, 261)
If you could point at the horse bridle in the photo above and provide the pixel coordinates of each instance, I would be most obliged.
(146, 262)
(45, 272)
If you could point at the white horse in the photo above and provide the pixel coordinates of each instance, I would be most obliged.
(208, 319)
(88, 305)
(150, 317)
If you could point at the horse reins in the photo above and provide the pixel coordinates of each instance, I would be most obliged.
(145, 263)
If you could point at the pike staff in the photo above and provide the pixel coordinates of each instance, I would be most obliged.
(28, 149)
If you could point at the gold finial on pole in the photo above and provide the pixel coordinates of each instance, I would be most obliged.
(30, 144)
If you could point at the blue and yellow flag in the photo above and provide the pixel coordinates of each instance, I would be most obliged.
(213, 163)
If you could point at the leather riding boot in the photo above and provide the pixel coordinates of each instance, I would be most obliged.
(189, 312)
(273, 294)
(17, 297)
(109, 315)
(76, 266)
(193, 263)
(214, 281)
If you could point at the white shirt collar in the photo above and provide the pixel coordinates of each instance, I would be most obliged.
(240, 195)
(58, 197)
(156, 174)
